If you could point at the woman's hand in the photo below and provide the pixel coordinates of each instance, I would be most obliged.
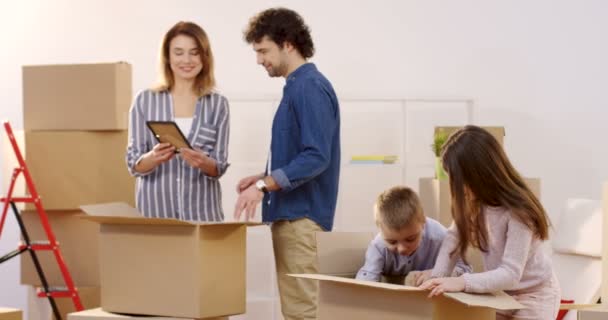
(161, 153)
(440, 285)
(198, 159)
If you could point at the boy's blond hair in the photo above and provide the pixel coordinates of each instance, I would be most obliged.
(398, 207)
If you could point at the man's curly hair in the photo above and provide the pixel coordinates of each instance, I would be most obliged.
(281, 25)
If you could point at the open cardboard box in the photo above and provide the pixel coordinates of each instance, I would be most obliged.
(10, 314)
(169, 267)
(341, 254)
(98, 314)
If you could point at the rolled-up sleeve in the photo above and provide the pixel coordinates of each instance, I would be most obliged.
(136, 145)
(220, 152)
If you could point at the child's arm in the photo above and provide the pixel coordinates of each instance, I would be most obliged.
(461, 268)
(445, 261)
(508, 273)
(374, 263)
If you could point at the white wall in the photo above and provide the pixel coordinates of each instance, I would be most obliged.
(536, 67)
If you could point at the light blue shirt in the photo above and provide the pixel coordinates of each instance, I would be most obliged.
(379, 260)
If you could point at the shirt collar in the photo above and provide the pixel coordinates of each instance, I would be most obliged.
(300, 71)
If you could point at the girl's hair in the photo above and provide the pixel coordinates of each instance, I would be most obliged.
(205, 80)
(481, 175)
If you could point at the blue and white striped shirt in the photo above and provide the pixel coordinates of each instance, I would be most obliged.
(174, 189)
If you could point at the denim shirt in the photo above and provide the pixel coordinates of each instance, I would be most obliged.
(305, 150)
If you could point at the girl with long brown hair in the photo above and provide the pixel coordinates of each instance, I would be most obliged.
(495, 211)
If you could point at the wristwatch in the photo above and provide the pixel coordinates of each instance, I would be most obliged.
(261, 185)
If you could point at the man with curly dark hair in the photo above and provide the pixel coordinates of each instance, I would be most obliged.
(300, 184)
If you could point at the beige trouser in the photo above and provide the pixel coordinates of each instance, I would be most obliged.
(295, 251)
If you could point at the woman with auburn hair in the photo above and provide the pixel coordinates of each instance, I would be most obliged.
(495, 211)
(181, 185)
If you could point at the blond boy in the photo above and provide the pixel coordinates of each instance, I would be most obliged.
(408, 242)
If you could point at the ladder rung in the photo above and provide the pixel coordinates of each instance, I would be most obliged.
(19, 199)
(40, 245)
(56, 292)
(41, 242)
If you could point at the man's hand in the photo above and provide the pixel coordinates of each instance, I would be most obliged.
(440, 285)
(248, 201)
(246, 182)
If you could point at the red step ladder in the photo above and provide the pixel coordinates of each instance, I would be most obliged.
(32, 246)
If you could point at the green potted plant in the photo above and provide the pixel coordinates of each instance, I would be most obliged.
(439, 138)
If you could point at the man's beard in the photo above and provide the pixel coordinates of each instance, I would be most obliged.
(277, 71)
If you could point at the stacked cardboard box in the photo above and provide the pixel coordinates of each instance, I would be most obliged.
(75, 121)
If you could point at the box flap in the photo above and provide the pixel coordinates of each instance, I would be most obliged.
(342, 253)
(136, 220)
(122, 213)
(499, 300)
(355, 282)
(579, 306)
(114, 209)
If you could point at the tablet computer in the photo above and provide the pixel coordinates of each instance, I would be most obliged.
(168, 131)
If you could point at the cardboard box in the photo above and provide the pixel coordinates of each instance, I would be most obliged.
(79, 244)
(40, 308)
(600, 313)
(169, 267)
(343, 253)
(497, 132)
(98, 314)
(72, 168)
(436, 199)
(352, 299)
(10, 314)
(77, 96)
